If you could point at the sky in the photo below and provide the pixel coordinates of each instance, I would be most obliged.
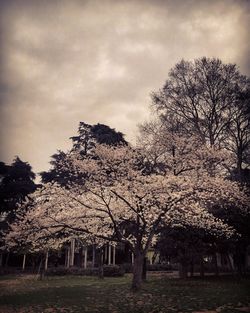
(63, 62)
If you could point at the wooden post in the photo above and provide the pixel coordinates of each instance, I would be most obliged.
(72, 252)
(85, 257)
(24, 262)
(113, 255)
(93, 256)
(109, 254)
(46, 260)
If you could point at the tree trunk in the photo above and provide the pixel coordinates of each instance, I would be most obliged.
(72, 252)
(80, 257)
(114, 255)
(144, 269)
(46, 261)
(192, 268)
(7, 259)
(100, 264)
(109, 254)
(33, 264)
(239, 165)
(40, 272)
(93, 256)
(137, 271)
(183, 271)
(132, 258)
(67, 257)
(231, 265)
(85, 256)
(24, 262)
(105, 261)
(1, 259)
(202, 270)
(216, 268)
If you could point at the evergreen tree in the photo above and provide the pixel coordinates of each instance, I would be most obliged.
(17, 182)
(85, 141)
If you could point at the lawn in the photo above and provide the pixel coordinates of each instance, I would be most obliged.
(88, 294)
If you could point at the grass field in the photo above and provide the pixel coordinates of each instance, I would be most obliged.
(88, 294)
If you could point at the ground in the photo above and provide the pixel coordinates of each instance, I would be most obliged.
(160, 294)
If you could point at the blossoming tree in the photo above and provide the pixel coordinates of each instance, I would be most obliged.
(122, 202)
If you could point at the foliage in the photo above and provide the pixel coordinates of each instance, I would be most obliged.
(108, 271)
(85, 142)
(16, 184)
(119, 202)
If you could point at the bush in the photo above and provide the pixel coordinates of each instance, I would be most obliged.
(127, 267)
(113, 271)
(108, 270)
(57, 271)
(159, 267)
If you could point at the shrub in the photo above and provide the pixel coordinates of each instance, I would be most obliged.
(113, 270)
(127, 267)
(57, 271)
(108, 270)
(159, 267)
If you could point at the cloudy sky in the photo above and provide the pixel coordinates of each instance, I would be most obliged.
(98, 61)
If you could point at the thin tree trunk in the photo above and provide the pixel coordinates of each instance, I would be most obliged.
(66, 257)
(33, 262)
(93, 256)
(24, 262)
(216, 268)
(100, 264)
(85, 257)
(40, 271)
(46, 261)
(105, 254)
(7, 259)
(1, 259)
(239, 165)
(183, 271)
(192, 268)
(109, 254)
(137, 271)
(202, 271)
(114, 255)
(72, 252)
(132, 258)
(144, 269)
(230, 263)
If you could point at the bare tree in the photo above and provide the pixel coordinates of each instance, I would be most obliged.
(210, 99)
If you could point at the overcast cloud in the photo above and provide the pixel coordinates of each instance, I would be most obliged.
(98, 61)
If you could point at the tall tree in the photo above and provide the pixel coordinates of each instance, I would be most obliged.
(85, 142)
(210, 99)
(17, 182)
(238, 140)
